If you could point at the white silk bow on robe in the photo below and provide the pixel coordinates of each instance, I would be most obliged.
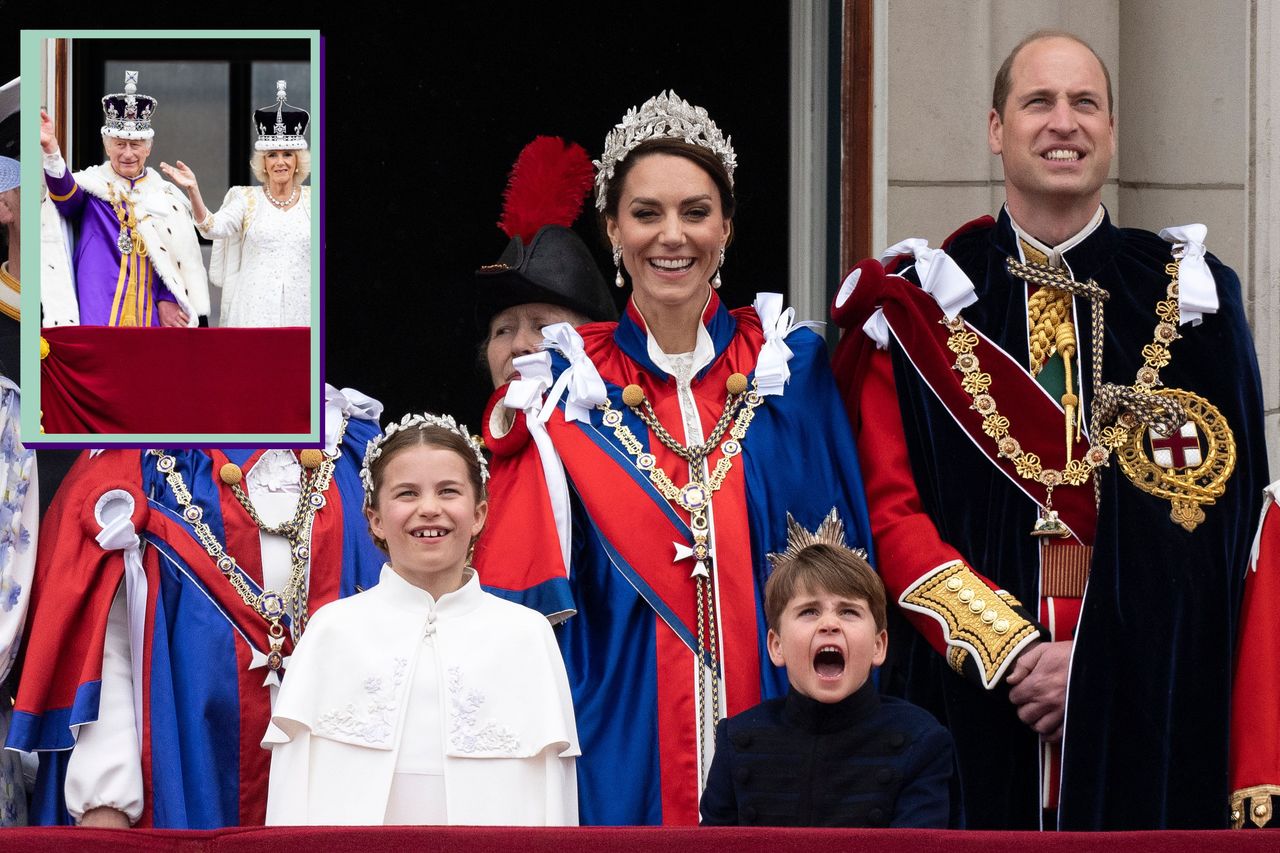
(940, 277)
(1197, 291)
(526, 394)
(772, 372)
(349, 402)
(114, 513)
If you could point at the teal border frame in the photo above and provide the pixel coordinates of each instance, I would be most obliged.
(33, 176)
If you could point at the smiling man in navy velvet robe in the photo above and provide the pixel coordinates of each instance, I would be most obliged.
(1067, 533)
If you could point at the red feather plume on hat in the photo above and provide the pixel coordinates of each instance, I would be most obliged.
(547, 184)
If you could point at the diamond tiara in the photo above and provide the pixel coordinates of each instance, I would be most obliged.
(664, 116)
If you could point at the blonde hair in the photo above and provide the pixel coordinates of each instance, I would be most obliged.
(258, 163)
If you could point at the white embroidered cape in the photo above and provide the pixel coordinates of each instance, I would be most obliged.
(506, 712)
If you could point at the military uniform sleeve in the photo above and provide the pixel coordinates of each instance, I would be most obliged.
(979, 627)
(1255, 713)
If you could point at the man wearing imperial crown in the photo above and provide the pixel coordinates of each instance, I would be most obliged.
(1067, 534)
(137, 261)
(168, 596)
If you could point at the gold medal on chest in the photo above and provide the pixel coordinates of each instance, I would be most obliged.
(1189, 468)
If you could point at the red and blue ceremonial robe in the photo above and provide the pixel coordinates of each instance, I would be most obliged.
(625, 592)
(204, 710)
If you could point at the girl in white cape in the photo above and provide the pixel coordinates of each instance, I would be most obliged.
(424, 700)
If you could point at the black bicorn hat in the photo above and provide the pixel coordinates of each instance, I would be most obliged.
(556, 267)
(545, 260)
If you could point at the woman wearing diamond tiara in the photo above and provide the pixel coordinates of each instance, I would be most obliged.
(653, 471)
(445, 703)
(262, 235)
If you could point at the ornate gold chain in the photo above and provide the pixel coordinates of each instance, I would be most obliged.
(695, 498)
(272, 606)
(1108, 398)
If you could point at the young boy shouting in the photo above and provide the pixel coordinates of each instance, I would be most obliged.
(833, 752)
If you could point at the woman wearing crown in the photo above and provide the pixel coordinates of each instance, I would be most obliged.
(652, 472)
(262, 235)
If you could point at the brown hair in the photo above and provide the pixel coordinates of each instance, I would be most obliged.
(826, 568)
(429, 436)
(1004, 77)
(707, 159)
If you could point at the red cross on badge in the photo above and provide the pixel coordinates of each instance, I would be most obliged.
(1180, 450)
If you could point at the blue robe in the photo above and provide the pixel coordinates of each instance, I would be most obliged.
(204, 710)
(629, 648)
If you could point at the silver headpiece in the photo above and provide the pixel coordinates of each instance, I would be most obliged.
(127, 115)
(281, 126)
(664, 116)
(829, 532)
(411, 421)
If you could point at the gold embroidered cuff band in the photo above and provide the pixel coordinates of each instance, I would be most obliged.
(1253, 803)
(975, 619)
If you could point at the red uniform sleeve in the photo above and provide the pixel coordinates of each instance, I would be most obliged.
(930, 579)
(1255, 706)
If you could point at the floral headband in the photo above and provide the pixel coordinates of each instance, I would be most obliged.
(412, 421)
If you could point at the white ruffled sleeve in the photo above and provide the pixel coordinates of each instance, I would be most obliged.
(105, 768)
(230, 216)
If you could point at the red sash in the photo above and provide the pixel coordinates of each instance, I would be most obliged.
(1036, 419)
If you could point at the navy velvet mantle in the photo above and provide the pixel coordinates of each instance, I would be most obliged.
(1148, 708)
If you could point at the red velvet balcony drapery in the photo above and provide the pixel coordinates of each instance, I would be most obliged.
(457, 839)
(99, 379)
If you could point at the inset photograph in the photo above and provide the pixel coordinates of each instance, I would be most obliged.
(178, 238)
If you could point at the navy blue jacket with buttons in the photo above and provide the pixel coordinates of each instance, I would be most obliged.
(867, 760)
